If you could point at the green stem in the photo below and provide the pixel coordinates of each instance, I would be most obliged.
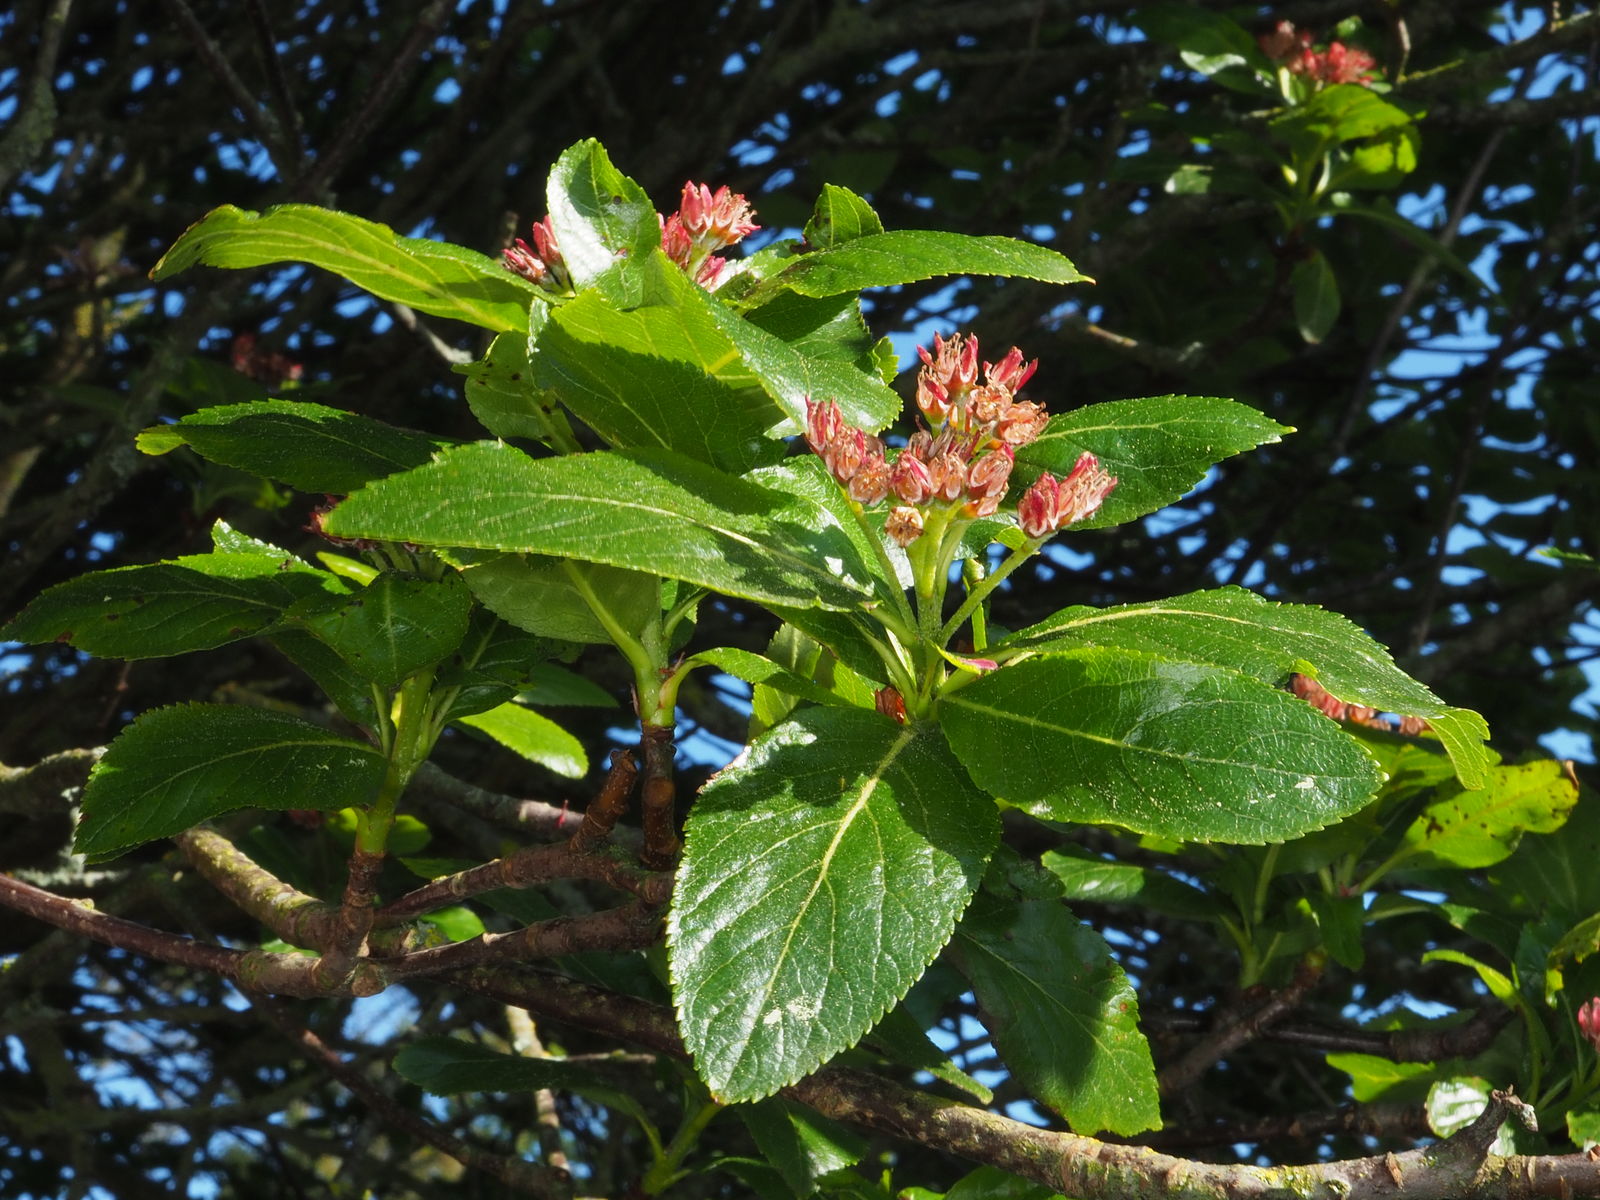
(409, 746)
(985, 589)
(971, 577)
(632, 648)
(905, 619)
(1268, 861)
(667, 1169)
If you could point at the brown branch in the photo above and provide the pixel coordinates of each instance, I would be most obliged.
(548, 822)
(297, 918)
(601, 817)
(1456, 1169)
(256, 114)
(631, 927)
(1361, 1120)
(36, 791)
(525, 868)
(658, 796)
(35, 120)
(1398, 1045)
(286, 974)
(1237, 1028)
(514, 1173)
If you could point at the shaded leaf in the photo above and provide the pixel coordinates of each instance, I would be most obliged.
(395, 626)
(1316, 297)
(446, 1066)
(799, 1142)
(1158, 448)
(175, 767)
(1061, 1011)
(310, 447)
(538, 594)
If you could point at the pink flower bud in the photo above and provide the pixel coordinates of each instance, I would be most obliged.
(904, 524)
(990, 474)
(823, 423)
(1036, 510)
(871, 483)
(919, 445)
(948, 474)
(1083, 491)
(718, 218)
(1010, 373)
(1589, 1022)
(910, 480)
(1021, 423)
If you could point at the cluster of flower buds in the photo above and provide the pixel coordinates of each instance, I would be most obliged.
(1589, 1022)
(1314, 694)
(1293, 48)
(706, 221)
(1050, 504)
(965, 455)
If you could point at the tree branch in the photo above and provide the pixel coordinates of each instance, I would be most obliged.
(1236, 1028)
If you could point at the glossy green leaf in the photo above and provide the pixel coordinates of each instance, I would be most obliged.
(831, 358)
(1062, 1012)
(431, 277)
(1315, 290)
(537, 738)
(1084, 876)
(455, 923)
(658, 513)
(602, 219)
(1555, 873)
(175, 767)
(1231, 627)
(1175, 749)
(1583, 1123)
(501, 392)
(900, 1038)
(196, 602)
(394, 627)
(910, 255)
(556, 687)
(1158, 448)
(1482, 827)
(446, 1066)
(840, 216)
(818, 881)
(755, 669)
(310, 447)
(1498, 983)
(658, 376)
(539, 594)
(799, 1142)
(493, 662)
(350, 692)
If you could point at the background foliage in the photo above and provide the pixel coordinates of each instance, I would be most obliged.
(1445, 432)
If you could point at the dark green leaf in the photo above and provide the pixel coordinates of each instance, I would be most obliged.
(1233, 628)
(445, 1066)
(556, 687)
(601, 219)
(910, 255)
(1316, 297)
(492, 663)
(818, 881)
(901, 1039)
(393, 627)
(1158, 448)
(310, 447)
(175, 767)
(1341, 919)
(192, 603)
(754, 669)
(350, 692)
(1555, 873)
(658, 513)
(431, 277)
(1175, 749)
(1061, 1011)
(800, 1143)
(1084, 876)
(501, 392)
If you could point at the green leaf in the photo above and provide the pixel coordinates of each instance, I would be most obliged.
(901, 1039)
(840, 216)
(1316, 297)
(538, 739)
(1342, 920)
(800, 1143)
(602, 219)
(754, 669)
(501, 392)
(457, 923)
(492, 663)
(1158, 448)
(658, 513)
(1341, 113)
(1498, 983)
(1374, 1078)
(1174, 749)
(799, 347)
(1062, 1013)
(538, 594)
(431, 277)
(350, 692)
(196, 602)
(1231, 627)
(445, 1066)
(175, 767)
(1555, 873)
(1084, 876)
(1578, 943)
(910, 255)
(1482, 827)
(1382, 161)
(818, 881)
(658, 376)
(310, 447)
(1583, 1123)
(395, 626)
(556, 687)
